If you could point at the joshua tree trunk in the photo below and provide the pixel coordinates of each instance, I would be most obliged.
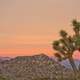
(74, 68)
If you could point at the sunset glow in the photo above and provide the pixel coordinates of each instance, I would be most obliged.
(29, 27)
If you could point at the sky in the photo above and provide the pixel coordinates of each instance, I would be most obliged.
(28, 27)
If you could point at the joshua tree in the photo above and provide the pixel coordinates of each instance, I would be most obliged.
(66, 45)
(79, 67)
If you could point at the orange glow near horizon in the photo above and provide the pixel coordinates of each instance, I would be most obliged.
(25, 52)
(28, 27)
(32, 51)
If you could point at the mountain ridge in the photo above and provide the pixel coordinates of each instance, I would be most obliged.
(31, 67)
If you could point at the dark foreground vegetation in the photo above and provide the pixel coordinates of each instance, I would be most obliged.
(3, 78)
(57, 78)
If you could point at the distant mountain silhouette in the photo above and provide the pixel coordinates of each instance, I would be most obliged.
(64, 63)
(32, 67)
(4, 58)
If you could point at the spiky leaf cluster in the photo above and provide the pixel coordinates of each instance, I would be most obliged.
(67, 44)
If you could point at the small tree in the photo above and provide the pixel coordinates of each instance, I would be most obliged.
(67, 44)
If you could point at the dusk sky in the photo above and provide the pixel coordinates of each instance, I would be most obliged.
(28, 27)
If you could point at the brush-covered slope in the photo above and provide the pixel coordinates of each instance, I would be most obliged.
(32, 67)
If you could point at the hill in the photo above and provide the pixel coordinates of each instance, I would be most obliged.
(33, 67)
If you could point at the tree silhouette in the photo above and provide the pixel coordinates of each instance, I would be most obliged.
(79, 67)
(67, 44)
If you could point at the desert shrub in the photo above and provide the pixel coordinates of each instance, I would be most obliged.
(3, 78)
(42, 79)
